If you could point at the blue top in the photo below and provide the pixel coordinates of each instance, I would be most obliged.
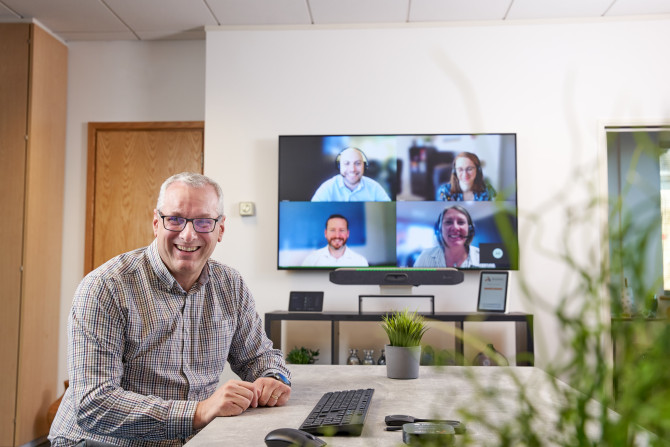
(334, 190)
(444, 193)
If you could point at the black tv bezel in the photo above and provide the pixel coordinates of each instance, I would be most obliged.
(514, 264)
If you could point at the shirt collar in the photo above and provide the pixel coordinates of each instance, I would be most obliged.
(340, 184)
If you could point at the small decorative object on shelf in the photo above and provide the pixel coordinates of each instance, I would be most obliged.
(368, 359)
(353, 357)
(382, 359)
(490, 357)
(302, 356)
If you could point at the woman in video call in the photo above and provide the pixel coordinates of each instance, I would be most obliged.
(467, 181)
(454, 231)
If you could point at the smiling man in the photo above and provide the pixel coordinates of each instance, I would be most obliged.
(336, 252)
(350, 184)
(151, 331)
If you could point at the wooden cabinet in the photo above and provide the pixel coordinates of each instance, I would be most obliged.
(33, 85)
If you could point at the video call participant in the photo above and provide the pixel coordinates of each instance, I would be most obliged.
(467, 181)
(350, 185)
(336, 253)
(454, 231)
(151, 330)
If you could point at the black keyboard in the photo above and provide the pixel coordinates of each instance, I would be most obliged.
(339, 413)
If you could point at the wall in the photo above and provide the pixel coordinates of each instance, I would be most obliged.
(118, 81)
(555, 84)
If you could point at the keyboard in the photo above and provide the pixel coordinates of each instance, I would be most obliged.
(339, 413)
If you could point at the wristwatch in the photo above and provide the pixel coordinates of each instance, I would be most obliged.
(279, 376)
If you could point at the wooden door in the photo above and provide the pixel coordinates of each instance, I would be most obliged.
(127, 163)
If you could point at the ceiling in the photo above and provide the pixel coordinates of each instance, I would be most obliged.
(74, 20)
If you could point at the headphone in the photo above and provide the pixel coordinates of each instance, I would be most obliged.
(365, 158)
(438, 225)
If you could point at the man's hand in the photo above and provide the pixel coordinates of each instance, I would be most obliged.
(234, 397)
(271, 392)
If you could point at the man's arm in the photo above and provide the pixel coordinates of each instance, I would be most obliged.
(251, 353)
(96, 366)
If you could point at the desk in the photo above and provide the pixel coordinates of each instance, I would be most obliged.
(437, 391)
(523, 324)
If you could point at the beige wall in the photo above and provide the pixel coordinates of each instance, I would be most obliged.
(119, 81)
(552, 83)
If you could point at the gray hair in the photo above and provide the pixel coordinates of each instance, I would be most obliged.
(193, 180)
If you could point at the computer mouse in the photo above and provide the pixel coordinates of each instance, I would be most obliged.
(284, 437)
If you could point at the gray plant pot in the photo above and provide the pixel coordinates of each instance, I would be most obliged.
(402, 362)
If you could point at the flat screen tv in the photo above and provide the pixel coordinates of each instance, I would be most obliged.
(375, 202)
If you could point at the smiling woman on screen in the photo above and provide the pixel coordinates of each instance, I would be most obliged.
(467, 181)
(454, 230)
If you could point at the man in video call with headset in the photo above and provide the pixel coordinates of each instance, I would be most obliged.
(336, 253)
(350, 185)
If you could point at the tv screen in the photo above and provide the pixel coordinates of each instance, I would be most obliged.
(398, 201)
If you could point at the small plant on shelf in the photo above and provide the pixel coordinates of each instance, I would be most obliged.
(404, 328)
(302, 356)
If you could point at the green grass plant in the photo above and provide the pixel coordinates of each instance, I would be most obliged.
(404, 328)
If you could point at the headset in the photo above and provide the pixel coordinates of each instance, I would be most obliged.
(365, 158)
(438, 225)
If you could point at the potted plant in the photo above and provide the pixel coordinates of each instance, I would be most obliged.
(302, 356)
(403, 353)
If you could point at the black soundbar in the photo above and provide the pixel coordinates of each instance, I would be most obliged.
(397, 276)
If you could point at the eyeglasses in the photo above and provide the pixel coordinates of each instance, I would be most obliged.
(200, 224)
(469, 170)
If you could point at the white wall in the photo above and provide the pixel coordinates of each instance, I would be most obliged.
(555, 84)
(552, 83)
(118, 81)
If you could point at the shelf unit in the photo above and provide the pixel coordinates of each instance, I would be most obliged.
(523, 327)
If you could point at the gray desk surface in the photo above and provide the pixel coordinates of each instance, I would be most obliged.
(437, 392)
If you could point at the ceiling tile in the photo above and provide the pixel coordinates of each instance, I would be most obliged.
(69, 15)
(197, 34)
(639, 7)
(163, 16)
(97, 36)
(359, 11)
(7, 14)
(557, 9)
(261, 12)
(448, 10)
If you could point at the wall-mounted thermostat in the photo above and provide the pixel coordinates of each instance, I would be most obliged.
(247, 209)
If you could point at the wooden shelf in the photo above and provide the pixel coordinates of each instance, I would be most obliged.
(523, 327)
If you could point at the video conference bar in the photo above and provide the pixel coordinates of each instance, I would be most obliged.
(397, 276)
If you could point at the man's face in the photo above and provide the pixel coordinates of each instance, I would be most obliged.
(185, 252)
(337, 233)
(352, 167)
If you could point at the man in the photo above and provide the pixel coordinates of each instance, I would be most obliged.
(336, 253)
(151, 330)
(350, 185)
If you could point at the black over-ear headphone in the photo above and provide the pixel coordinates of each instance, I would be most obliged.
(365, 158)
(438, 225)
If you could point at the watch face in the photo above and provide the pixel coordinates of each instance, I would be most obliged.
(282, 378)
